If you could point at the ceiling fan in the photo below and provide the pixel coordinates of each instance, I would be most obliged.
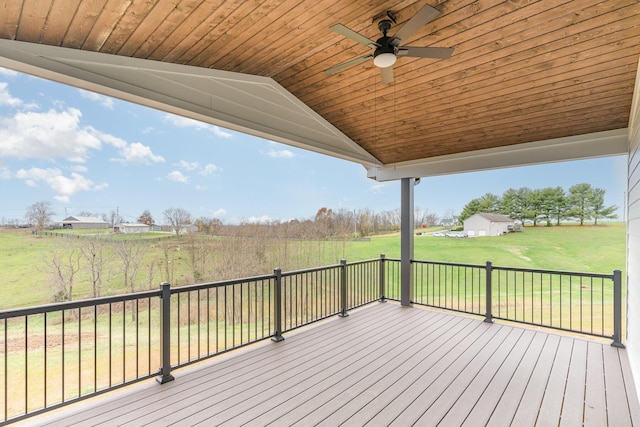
(388, 48)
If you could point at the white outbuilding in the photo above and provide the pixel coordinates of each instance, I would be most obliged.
(77, 222)
(488, 224)
(132, 228)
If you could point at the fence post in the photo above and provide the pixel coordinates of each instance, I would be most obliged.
(617, 309)
(488, 316)
(382, 278)
(277, 309)
(343, 288)
(165, 334)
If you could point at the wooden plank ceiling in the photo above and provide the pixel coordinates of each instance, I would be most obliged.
(522, 70)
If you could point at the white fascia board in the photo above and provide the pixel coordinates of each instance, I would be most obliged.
(246, 103)
(599, 144)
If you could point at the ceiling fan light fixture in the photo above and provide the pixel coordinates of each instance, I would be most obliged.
(384, 59)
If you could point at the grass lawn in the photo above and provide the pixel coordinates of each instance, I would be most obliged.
(598, 249)
(24, 273)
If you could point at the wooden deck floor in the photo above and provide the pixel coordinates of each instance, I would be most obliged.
(387, 365)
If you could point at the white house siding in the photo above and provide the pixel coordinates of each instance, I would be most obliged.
(478, 225)
(633, 237)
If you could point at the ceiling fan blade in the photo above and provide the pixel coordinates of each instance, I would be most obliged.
(426, 52)
(350, 34)
(348, 64)
(419, 20)
(387, 75)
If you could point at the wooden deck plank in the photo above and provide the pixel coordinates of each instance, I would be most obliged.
(511, 396)
(573, 404)
(212, 400)
(421, 371)
(386, 364)
(551, 407)
(350, 384)
(468, 401)
(616, 396)
(632, 392)
(326, 377)
(531, 400)
(233, 368)
(446, 390)
(595, 409)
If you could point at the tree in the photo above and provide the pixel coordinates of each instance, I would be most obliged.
(489, 203)
(177, 219)
(146, 218)
(113, 218)
(64, 263)
(560, 205)
(470, 209)
(598, 210)
(39, 215)
(131, 253)
(92, 251)
(549, 201)
(580, 196)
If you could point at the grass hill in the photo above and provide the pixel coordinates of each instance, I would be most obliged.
(25, 275)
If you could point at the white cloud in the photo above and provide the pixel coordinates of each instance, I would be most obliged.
(5, 173)
(79, 168)
(184, 122)
(48, 135)
(188, 166)
(209, 169)
(134, 153)
(6, 98)
(105, 101)
(8, 72)
(177, 176)
(59, 134)
(259, 219)
(219, 212)
(377, 187)
(279, 154)
(63, 186)
(201, 187)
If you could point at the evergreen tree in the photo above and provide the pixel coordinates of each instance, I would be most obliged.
(580, 196)
(598, 210)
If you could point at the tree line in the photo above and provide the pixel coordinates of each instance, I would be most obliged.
(548, 205)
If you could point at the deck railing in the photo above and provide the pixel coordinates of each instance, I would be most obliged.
(587, 303)
(54, 354)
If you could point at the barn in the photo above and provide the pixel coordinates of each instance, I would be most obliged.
(78, 222)
(488, 224)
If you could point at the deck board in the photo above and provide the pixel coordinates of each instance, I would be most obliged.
(386, 365)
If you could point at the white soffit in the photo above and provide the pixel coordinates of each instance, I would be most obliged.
(250, 104)
(599, 144)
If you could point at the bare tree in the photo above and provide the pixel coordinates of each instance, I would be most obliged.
(92, 251)
(131, 254)
(39, 215)
(113, 218)
(64, 263)
(177, 219)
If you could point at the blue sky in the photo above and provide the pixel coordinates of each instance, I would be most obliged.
(87, 152)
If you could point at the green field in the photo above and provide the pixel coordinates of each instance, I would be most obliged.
(24, 279)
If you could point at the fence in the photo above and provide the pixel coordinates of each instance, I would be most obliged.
(54, 354)
(587, 303)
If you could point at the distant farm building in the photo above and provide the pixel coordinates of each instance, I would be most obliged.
(488, 224)
(131, 228)
(79, 222)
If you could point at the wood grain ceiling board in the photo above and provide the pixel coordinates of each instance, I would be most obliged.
(521, 71)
